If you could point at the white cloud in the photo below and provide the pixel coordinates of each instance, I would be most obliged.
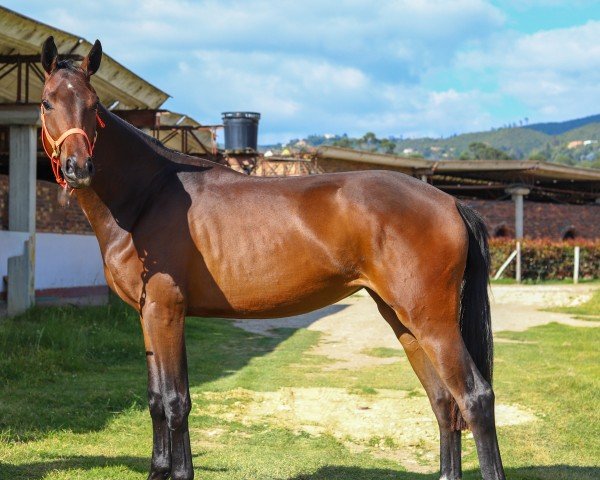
(346, 66)
(554, 73)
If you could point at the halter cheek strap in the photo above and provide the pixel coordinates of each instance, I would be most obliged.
(54, 155)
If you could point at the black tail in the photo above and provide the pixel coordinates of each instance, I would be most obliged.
(475, 318)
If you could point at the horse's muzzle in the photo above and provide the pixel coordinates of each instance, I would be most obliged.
(78, 176)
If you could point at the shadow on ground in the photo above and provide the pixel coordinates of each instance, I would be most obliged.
(38, 470)
(552, 472)
(75, 369)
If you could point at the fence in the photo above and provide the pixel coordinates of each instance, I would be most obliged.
(547, 260)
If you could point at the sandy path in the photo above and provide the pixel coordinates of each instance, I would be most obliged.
(354, 325)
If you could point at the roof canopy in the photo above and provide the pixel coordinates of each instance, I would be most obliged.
(486, 178)
(21, 74)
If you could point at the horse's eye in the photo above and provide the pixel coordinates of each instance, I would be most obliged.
(96, 105)
(46, 105)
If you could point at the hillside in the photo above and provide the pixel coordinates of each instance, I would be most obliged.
(573, 142)
(557, 128)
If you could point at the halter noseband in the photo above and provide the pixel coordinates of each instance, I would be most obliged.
(54, 156)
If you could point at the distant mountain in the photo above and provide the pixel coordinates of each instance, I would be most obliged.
(556, 128)
(574, 142)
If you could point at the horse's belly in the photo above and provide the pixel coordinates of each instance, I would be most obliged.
(271, 306)
(267, 293)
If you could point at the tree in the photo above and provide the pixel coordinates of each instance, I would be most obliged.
(342, 142)
(481, 151)
(369, 138)
(388, 146)
(538, 157)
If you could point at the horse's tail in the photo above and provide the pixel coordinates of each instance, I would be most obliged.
(475, 318)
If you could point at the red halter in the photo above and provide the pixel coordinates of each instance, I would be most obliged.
(55, 144)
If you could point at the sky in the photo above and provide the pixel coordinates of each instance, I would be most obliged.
(402, 68)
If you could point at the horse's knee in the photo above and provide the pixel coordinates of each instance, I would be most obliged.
(177, 409)
(155, 404)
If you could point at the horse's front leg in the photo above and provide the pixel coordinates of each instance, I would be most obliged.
(160, 468)
(168, 390)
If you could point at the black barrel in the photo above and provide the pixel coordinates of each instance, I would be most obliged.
(241, 131)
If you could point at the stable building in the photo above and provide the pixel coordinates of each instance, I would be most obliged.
(35, 232)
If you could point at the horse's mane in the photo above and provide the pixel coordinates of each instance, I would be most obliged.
(156, 145)
(67, 64)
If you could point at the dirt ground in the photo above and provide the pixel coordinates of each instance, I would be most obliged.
(353, 326)
(391, 424)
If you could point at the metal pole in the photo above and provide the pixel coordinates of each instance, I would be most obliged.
(576, 266)
(518, 216)
(518, 192)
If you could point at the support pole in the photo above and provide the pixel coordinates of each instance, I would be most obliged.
(21, 215)
(518, 275)
(518, 192)
(576, 266)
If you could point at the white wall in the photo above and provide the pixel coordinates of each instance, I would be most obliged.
(61, 261)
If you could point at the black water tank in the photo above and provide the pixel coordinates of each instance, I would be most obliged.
(241, 131)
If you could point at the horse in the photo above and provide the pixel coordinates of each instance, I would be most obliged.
(182, 236)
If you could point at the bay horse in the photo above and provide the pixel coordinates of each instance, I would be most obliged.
(184, 236)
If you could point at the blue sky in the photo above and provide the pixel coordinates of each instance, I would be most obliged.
(410, 68)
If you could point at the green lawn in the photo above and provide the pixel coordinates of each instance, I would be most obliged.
(589, 310)
(72, 402)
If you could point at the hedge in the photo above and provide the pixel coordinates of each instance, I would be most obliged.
(547, 259)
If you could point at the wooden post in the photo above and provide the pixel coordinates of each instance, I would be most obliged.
(576, 266)
(22, 121)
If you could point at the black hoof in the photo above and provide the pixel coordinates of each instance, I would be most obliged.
(159, 475)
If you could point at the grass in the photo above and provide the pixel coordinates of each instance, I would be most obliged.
(384, 352)
(72, 402)
(528, 281)
(589, 310)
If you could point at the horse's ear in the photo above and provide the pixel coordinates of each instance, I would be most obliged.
(49, 55)
(91, 63)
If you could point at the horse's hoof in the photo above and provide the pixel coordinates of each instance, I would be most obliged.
(159, 475)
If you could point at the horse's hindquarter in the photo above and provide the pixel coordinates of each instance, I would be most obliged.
(274, 247)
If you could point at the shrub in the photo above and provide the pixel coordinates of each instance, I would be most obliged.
(546, 259)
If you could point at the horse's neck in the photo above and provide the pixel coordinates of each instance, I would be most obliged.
(128, 169)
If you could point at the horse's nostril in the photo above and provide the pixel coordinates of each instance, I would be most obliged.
(89, 166)
(70, 166)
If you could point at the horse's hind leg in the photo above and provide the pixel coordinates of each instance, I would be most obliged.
(440, 398)
(434, 323)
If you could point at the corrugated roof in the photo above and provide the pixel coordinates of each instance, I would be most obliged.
(552, 180)
(25, 36)
(475, 168)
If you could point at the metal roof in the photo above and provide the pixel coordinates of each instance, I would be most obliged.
(21, 38)
(550, 180)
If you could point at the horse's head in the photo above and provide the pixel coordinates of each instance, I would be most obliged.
(69, 112)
